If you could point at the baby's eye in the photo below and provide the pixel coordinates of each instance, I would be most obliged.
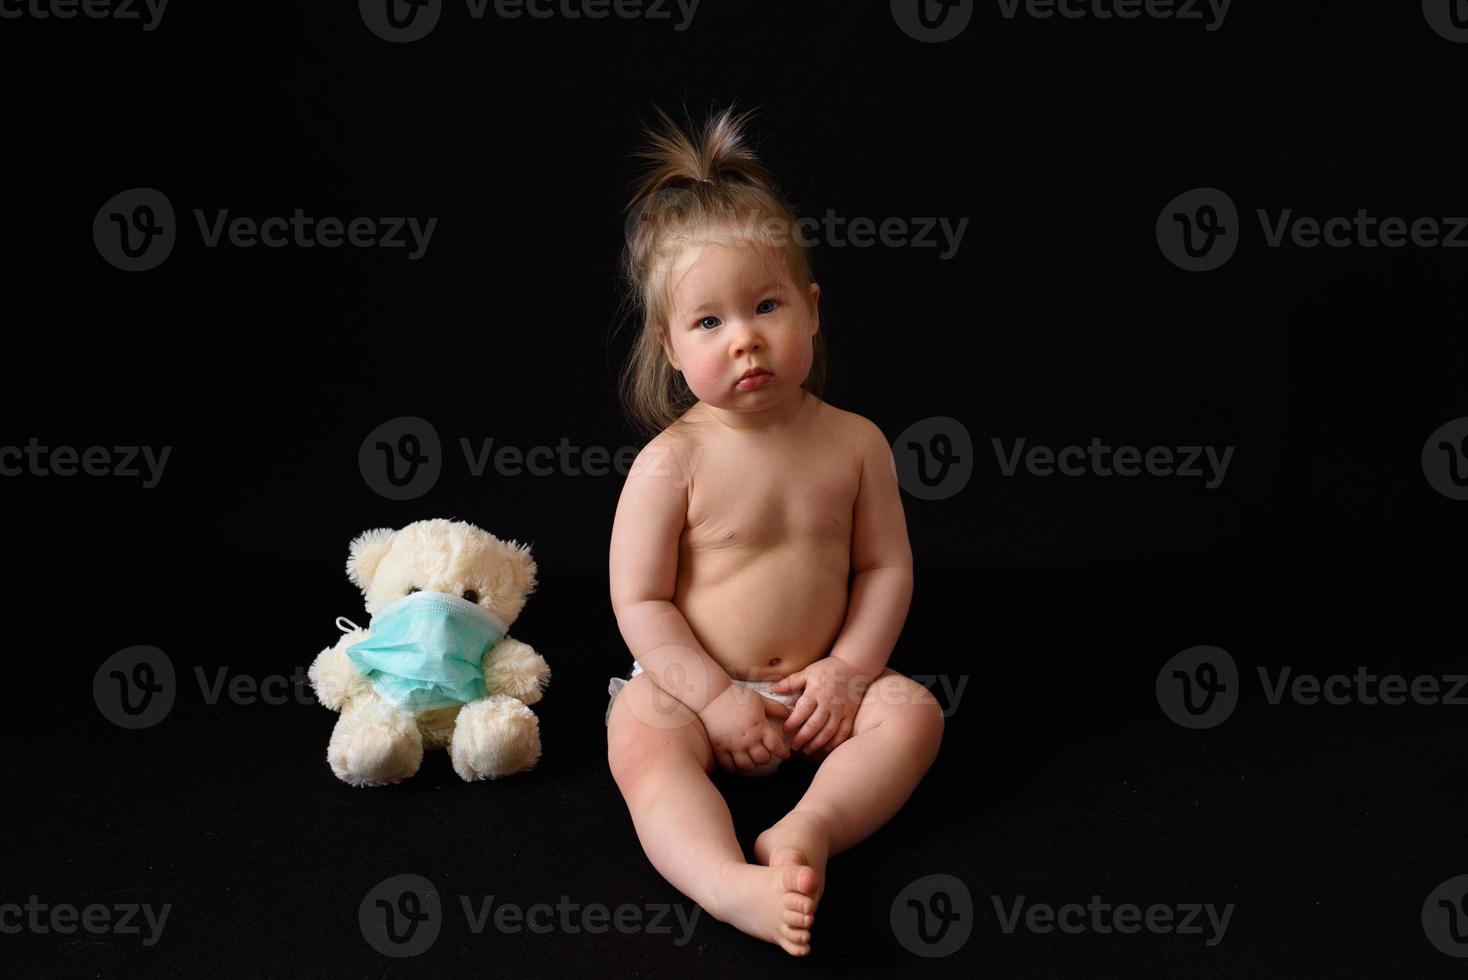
(705, 322)
(775, 301)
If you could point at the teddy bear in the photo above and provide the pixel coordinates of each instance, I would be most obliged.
(435, 668)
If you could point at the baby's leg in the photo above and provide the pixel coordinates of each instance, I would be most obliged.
(660, 757)
(863, 782)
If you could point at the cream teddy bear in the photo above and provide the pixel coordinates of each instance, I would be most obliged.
(435, 668)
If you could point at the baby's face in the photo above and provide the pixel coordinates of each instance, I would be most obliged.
(735, 308)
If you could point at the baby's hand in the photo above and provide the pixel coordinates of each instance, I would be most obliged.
(743, 729)
(826, 711)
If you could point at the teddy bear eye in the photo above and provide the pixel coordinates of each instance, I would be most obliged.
(412, 589)
(471, 595)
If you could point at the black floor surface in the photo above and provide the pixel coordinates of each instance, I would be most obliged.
(1315, 833)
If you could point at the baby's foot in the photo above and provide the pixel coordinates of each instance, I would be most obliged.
(773, 904)
(799, 837)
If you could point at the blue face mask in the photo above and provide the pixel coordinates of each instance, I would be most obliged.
(424, 651)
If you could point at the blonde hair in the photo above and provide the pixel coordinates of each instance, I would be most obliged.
(697, 190)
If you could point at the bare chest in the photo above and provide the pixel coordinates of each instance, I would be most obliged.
(777, 497)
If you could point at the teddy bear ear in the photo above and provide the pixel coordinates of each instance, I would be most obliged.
(367, 551)
(523, 566)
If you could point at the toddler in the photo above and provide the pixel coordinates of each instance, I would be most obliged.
(760, 568)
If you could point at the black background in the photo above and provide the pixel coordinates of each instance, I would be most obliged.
(1056, 600)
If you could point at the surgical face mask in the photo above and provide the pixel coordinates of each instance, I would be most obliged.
(425, 650)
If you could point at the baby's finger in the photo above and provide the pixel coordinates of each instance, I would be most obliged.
(844, 732)
(775, 742)
(784, 684)
(777, 709)
(803, 708)
(824, 736)
(726, 761)
(743, 761)
(813, 725)
(756, 751)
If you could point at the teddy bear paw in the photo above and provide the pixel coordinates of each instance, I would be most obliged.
(495, 737)
(375, 744)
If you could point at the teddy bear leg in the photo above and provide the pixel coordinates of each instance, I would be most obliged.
(497, 736)
(374, 744)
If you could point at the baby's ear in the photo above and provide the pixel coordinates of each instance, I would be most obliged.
(522, 565)
(367, 552)
(667, 346)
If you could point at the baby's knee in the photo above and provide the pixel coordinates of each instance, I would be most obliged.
(914, 708)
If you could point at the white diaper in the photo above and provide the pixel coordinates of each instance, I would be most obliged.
(616, 684)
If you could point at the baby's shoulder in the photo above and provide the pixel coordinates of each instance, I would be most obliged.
(855, 431)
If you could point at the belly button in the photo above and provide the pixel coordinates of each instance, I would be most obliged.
(774, 661)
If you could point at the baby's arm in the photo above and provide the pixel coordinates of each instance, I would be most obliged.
(881, 561)
(644, 571)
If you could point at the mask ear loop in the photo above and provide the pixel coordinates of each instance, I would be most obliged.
(350, 627)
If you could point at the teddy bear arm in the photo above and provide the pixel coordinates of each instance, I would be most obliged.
(515, 669)
(336, 680)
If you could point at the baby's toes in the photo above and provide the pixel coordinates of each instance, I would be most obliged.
(797, 919)
(794, 941)
(797, 902)
(801, 878)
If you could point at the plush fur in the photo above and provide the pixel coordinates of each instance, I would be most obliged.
(376, 743)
